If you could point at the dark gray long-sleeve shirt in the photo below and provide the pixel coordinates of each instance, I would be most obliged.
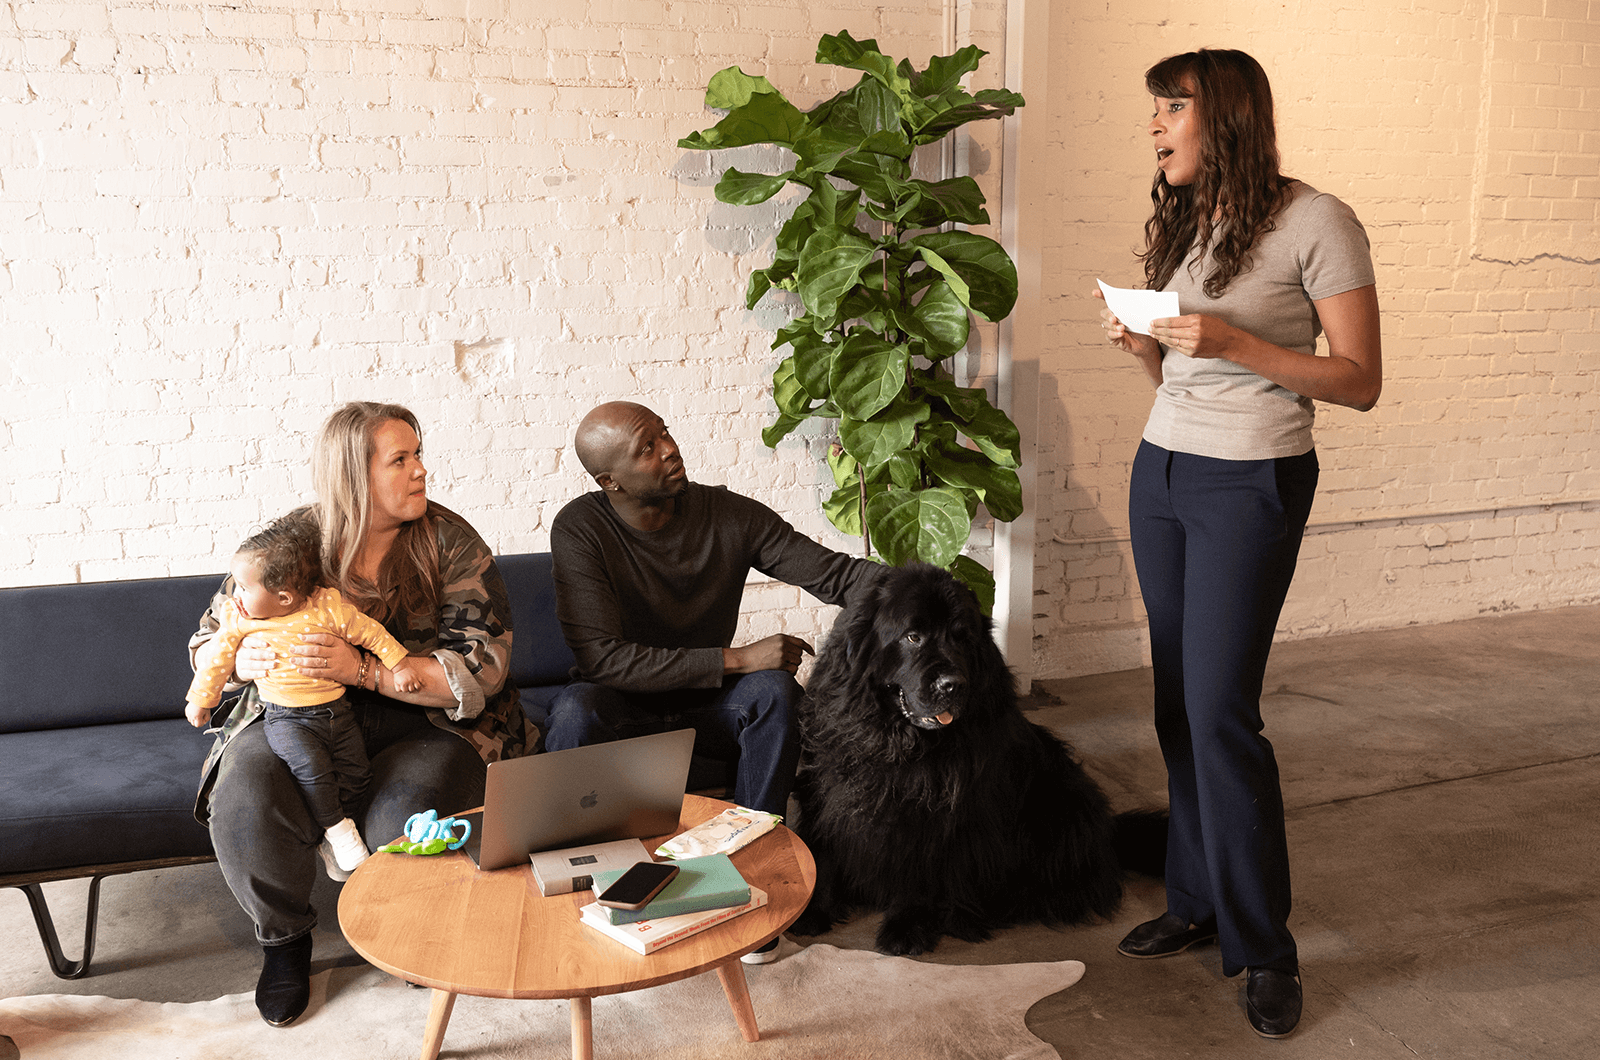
(652, 611)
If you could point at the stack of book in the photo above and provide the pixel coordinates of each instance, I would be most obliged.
(706, 891)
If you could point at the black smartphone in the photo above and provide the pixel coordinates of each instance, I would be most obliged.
(634, 888)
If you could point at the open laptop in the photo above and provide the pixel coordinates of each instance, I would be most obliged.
(627, 789)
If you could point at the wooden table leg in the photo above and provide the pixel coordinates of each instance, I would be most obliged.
(438, 1019)
(733, 984)
(582, 1029)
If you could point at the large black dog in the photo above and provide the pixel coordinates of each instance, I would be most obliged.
(925, 793)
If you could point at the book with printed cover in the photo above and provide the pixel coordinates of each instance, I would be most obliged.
(647, 936)
(710, 882)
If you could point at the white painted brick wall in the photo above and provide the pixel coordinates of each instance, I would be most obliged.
(218, 222)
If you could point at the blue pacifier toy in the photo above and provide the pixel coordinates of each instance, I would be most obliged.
(427, 834)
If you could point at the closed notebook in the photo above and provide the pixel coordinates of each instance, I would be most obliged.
(710, 882)
(647, 936)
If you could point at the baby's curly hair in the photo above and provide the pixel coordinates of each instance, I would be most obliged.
(288, 552)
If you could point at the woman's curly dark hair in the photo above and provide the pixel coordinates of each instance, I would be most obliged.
(288, 555)
(1238, 187)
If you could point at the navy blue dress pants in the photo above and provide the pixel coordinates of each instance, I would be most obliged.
(1215, 543)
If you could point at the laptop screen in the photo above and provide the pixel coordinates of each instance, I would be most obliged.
(627, 789)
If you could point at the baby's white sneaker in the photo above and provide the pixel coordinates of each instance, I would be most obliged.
(348, 849)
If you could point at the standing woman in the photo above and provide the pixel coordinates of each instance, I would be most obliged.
(1222, 486)
(426, 575)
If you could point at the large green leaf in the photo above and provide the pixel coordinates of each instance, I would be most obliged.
(787, 393)
(902, 470)
(946, 71)
(941, 321)
(878, 109)
(937, 264)
(794, 232)
(983, 264)
(772, 435)
(813, 363)
(965, 401)
(820, 149)
(765, 119)
(928, 525)
(760, 284)
(871, 173)
(977, 577)
(843, 506)
(837, 114)
(844, 50)
(992, 431)
(748, 189)
(876, 440)
(868, 304)
(829, 265)
(842, 465)
(990, 103)
(868, 373)
(999, 487)
(891, 143)
(733, 87)
(958, 199)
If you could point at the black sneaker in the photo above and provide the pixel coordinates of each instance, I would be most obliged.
(765, 955)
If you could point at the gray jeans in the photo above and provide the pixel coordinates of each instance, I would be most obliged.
(266, 840)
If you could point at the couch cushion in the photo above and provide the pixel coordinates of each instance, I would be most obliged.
(539, 653)
(97, 652)
(100, 794)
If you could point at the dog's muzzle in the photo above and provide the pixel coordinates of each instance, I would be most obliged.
(922, 721)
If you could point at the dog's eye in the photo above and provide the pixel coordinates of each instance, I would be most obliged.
(913, 638)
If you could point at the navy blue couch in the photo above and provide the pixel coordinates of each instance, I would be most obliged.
(98, 767)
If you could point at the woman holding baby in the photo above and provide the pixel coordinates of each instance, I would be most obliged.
(423, 573)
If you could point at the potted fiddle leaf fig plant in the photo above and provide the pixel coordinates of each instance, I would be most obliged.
(889, 287)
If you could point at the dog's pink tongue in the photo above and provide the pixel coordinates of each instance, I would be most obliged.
(945, 718)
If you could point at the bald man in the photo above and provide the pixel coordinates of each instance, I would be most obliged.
(649, 573)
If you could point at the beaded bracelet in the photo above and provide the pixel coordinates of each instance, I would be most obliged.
(361, 674)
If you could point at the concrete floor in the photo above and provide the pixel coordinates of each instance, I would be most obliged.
(1444, 827)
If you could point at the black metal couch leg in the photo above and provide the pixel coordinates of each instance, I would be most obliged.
(59, 964)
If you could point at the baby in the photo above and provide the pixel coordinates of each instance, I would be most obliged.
(309, 723)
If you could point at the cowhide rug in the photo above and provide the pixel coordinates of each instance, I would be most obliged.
(819, 1001)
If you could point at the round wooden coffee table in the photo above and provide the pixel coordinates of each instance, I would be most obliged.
(440, 922)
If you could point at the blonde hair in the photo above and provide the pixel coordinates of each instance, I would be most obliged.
(408, 577)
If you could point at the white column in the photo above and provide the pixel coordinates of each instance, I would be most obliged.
(1022, 333)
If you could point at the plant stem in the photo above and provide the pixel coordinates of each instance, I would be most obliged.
(866, 535)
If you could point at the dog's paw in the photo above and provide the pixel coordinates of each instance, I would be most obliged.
(908, 932)
(967, 928)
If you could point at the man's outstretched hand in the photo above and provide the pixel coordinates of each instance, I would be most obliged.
(777, 652)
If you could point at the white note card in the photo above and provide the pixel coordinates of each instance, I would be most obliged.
(1137, 308)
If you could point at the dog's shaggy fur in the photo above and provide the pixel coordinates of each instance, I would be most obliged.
(925, 793)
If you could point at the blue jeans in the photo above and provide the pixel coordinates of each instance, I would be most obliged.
(1215, 543)
(322, 747)
(264, 835)
(751, 719)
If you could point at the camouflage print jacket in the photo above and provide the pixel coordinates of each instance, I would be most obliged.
(472, 641)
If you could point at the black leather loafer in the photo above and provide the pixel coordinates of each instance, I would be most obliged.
(284, 989)
(1163, 936)
(1272, 1002)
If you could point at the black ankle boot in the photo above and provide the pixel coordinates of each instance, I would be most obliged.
(284, 989)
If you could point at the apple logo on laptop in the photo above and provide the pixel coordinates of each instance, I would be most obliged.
(590, 801)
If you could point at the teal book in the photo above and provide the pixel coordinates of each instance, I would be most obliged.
(710, 882)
